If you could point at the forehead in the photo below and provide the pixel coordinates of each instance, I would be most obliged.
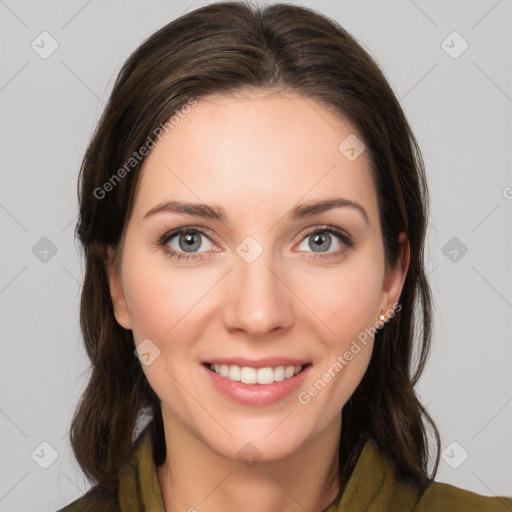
(262, 149)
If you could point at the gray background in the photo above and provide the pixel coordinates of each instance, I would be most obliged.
(460, 110)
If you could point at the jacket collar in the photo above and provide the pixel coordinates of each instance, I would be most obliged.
(372, 483)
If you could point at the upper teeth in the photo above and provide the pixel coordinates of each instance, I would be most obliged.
(249, 375)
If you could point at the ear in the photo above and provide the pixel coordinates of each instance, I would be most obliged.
(116, 290)
(395, 277)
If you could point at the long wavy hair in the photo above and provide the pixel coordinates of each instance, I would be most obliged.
(226, 48)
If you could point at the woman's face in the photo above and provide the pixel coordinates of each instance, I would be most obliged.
(258, 284)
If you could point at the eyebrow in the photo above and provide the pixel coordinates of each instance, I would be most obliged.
(218, 213)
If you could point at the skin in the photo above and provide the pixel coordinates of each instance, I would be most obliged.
(257, 156)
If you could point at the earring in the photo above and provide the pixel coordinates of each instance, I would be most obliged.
(382, 318)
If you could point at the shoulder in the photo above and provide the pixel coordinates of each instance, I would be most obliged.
(133, 488)
(87, 503)
(374, 486)
(96, 499)
(446, 498)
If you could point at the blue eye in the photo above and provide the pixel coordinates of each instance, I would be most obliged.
(184, 243)
(320, 240)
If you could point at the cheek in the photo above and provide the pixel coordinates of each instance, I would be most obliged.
(164, 305)
(345, 299)
(347, 308)
(158, 295)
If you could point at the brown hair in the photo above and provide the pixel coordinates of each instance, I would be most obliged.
(226, 48)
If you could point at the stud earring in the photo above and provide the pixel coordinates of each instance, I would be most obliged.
(382, 318)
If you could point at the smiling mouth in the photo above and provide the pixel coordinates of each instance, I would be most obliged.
(249, 375)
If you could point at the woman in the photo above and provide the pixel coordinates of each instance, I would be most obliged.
(253, 209)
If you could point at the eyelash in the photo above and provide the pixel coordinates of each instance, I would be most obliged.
(162, 242)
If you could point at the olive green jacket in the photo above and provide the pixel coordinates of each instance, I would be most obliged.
(371, 488)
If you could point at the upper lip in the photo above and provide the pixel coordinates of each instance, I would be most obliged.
(258, 363)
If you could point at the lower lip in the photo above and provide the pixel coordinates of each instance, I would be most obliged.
(257, 394)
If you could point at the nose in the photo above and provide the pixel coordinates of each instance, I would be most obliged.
(258, 302)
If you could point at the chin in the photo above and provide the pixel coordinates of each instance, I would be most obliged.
(264, 441)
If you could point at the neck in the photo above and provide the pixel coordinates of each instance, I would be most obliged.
(194, 478)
